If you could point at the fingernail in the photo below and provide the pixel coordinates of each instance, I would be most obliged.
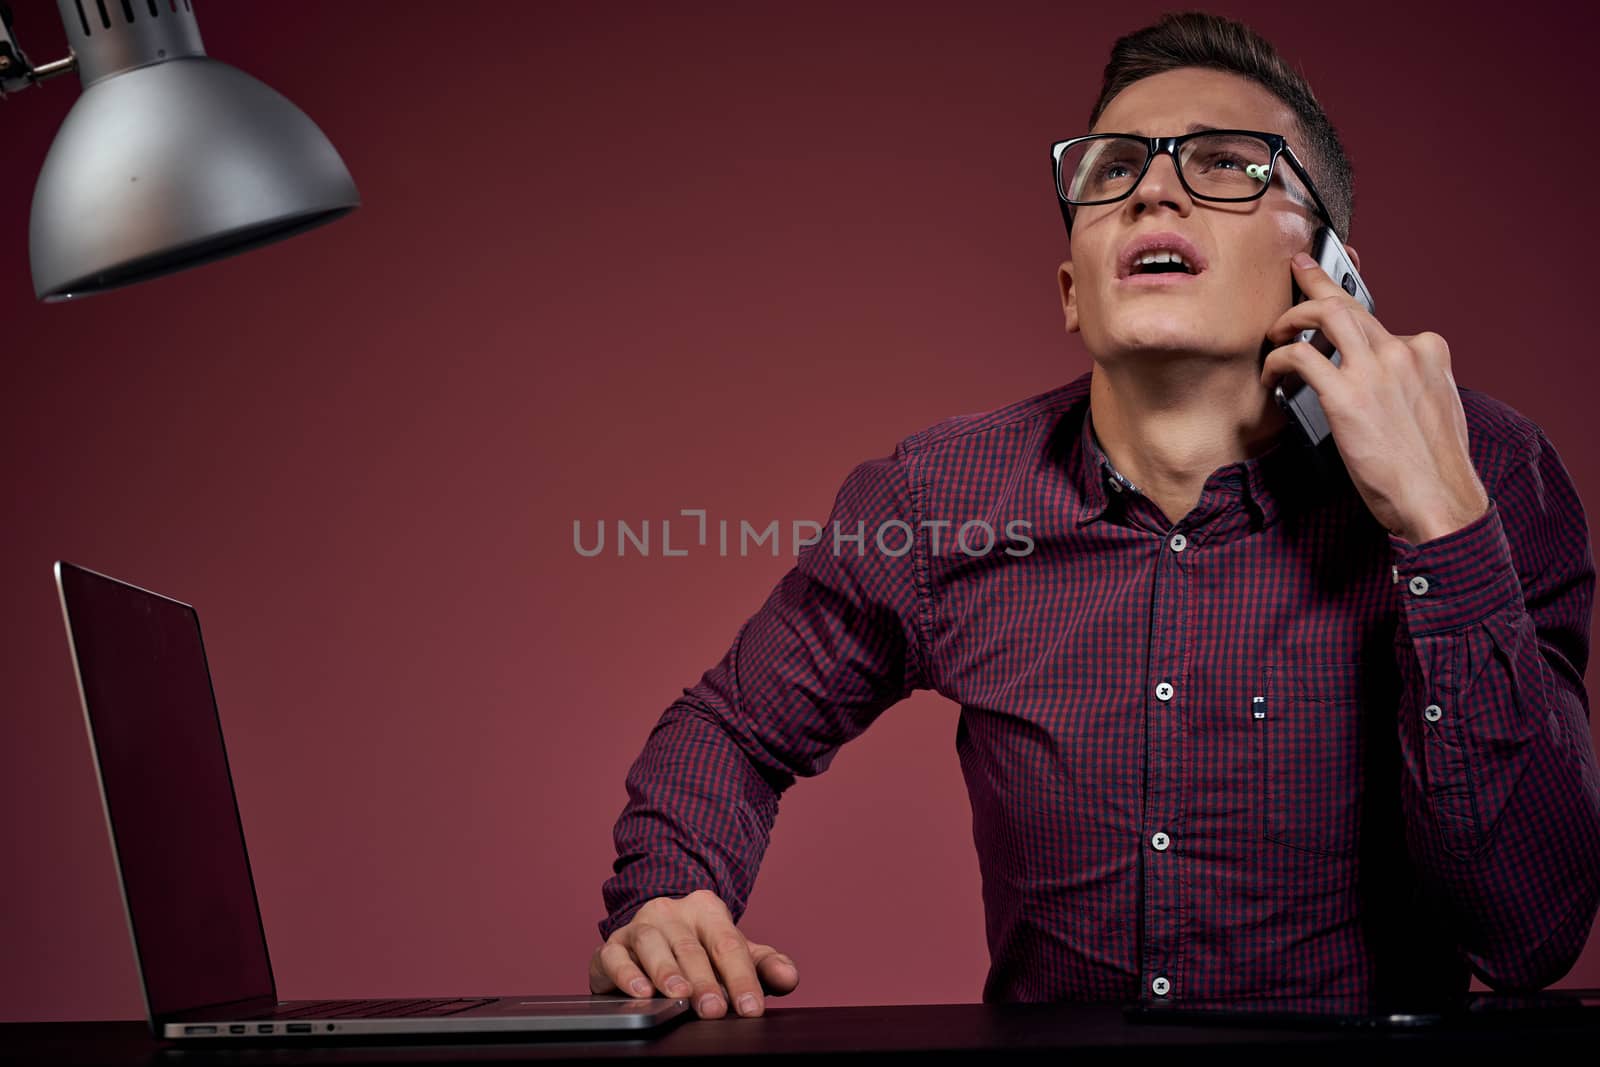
(678, 987)
(747, 1004)
(708, 1003)
(1303, 260)
(640, 986)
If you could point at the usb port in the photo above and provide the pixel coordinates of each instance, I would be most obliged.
(199, 1029)
(298, 1028)
(237, 1028)
(263, 1028)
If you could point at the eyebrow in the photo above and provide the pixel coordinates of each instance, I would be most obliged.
(1194, 127)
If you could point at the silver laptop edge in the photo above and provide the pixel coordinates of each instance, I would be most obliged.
(501, 1014)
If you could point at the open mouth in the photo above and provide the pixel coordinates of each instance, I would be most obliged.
(1160, 259)
(1169, 267)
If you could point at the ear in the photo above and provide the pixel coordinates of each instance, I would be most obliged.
(1069, 295)
(1355, 257)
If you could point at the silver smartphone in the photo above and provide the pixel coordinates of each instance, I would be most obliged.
(1297, 398)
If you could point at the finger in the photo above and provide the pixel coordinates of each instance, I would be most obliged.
(1312, 279)
(705, 993)
(653, 947)
(1324, 314)
(731, 954)
(1317, 284)
(1301, 358)
(1306, 315)
(779, 974)
(600, 980)
(613, 968)
(1350, 327)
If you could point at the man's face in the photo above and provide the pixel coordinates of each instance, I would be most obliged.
(1245, 247)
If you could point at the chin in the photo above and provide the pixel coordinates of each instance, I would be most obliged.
(1177, 343)
(1159, 333)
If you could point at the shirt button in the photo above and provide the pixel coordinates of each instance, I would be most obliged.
(1179, 542)
(1163, 691)
(1160, 842)
(1419, 585)
(1432, 712)
(1161, 987)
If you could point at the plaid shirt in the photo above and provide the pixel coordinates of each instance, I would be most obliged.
(1268, 750)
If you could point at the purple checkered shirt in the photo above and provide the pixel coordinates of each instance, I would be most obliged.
(1268, 750)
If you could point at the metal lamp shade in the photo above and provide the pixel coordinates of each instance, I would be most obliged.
(174, 164)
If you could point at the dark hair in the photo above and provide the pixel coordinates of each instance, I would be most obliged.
(1197, 39)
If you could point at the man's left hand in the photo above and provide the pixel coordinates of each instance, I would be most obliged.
(1392, 406)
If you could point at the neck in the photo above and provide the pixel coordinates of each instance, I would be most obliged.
(1168, 426)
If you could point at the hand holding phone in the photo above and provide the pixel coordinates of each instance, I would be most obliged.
(1293, 395)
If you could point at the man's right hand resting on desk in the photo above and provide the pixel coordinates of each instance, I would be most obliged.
(689, 947)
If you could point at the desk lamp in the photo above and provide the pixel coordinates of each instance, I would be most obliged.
(169, 159)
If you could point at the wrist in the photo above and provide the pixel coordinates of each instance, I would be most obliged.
(1445, 519)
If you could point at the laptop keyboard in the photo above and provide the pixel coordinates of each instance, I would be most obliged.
(367, 1009)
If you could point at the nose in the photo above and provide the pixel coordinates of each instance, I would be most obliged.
(1161, 185)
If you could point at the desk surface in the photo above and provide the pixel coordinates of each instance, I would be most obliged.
(1098, 1032)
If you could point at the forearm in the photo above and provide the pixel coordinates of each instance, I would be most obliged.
(1501, 792)
(1523, 887)
(699, 816)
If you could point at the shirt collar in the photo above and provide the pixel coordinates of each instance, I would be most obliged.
(1267, 481)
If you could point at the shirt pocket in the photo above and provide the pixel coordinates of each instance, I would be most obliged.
(1309, 726)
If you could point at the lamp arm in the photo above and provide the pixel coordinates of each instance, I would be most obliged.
(15, 70)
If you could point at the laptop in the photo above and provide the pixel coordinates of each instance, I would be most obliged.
(180, 853)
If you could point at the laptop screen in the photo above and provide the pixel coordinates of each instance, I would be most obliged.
(168, 794)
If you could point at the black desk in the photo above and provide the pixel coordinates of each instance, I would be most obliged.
(1012, 1033)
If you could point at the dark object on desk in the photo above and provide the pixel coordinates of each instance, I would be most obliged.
(180, 852)
(1551, 1007)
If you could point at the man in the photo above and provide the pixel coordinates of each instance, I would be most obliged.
(1233, 722)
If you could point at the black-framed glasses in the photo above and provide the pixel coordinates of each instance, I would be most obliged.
(1228, 166)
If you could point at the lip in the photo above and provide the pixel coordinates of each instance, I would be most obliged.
(1158, 281)
(1166, 239)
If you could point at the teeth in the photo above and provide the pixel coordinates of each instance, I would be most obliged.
(1162, 256)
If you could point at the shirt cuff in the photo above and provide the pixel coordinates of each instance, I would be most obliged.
(1457, 580)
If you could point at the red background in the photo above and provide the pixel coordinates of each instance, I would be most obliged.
(614, 261)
